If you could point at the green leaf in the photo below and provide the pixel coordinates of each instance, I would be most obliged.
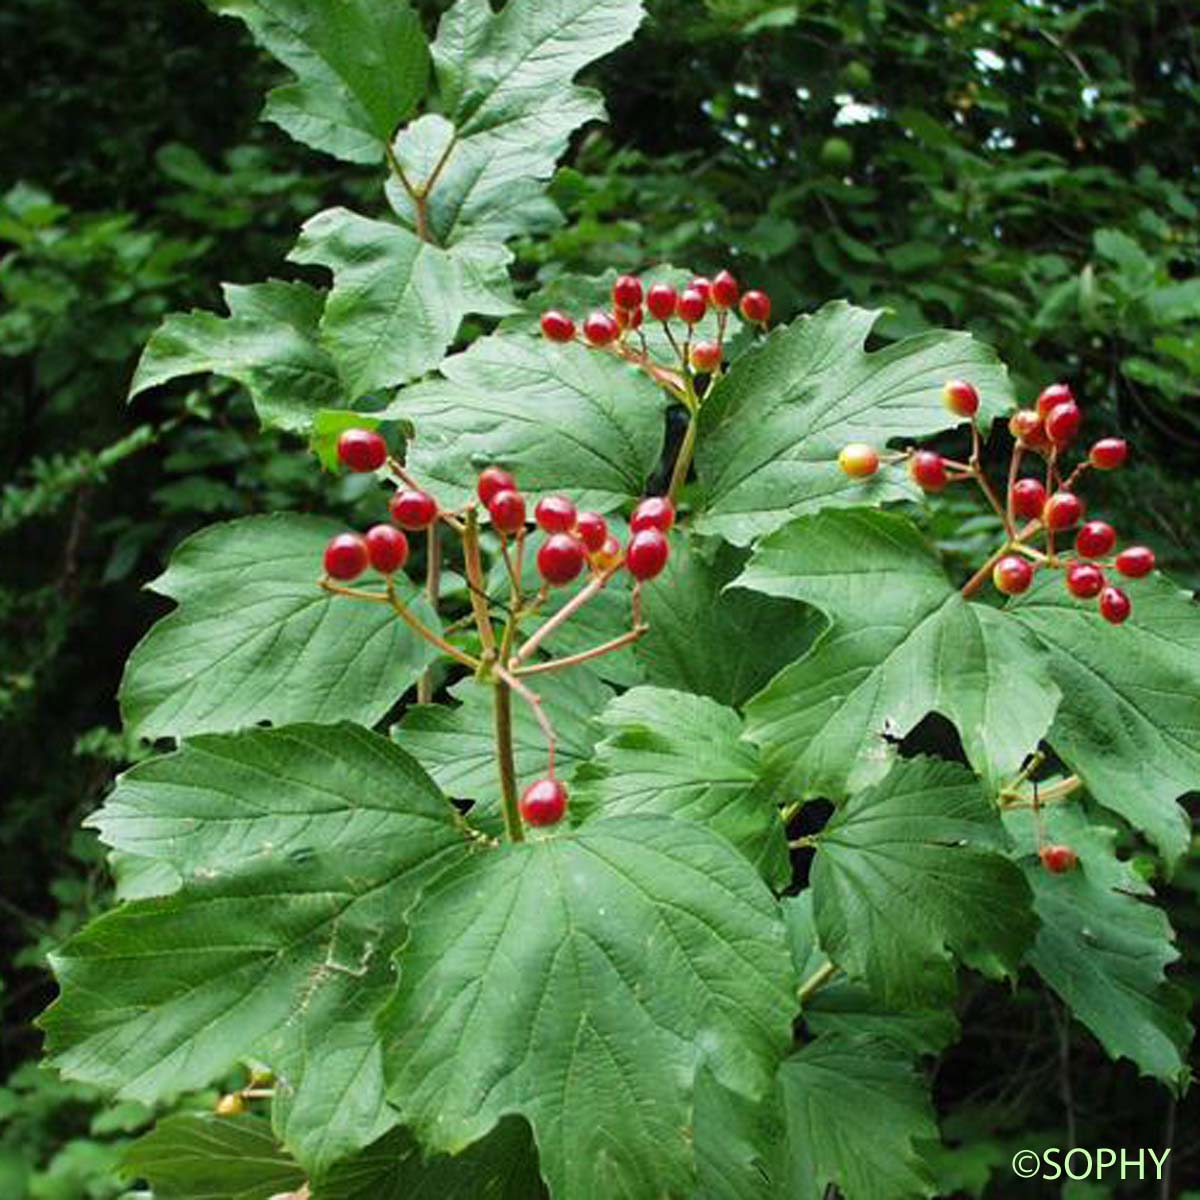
(300, 850)
(855, 1111)
(255, 639)
(560, 417)
(199, 1156)
(682, 755)
(615, 962)
(734, 1142)
(397, 302)
(1129, 722)
(771, 431)
(268, 344)
(901, 643)
(1101, 946)
(504, 82)
(710, 636)
(360, 67)
(928, 821)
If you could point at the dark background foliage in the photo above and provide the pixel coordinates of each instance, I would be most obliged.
(1023, 170)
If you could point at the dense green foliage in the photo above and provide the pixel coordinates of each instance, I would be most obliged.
(1022, 172)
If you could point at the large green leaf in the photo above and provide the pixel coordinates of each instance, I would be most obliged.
(360, 67)
(301, 850)
(509, 110)
(397, 302)
(911, 874)
(1129, 722)
(901, 643)
(255, 639)
(771, 431)
(582, 981)
(1101, 946)
(561, 417)
(683, 755)
(268, 344)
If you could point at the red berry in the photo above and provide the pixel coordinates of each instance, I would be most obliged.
(661, 300)
(706, 356)
(591, 529)
(1062, 423)
(1114, 605)
(387, 548)
(756, 307)
(647, 553)
(1135, 561)
(346, 556)
(1012, 575)
(507, 510)
(1051, 397)
(543, 802)
(600, 329)
(560, 559)
(859, 460)
(928, 470)
(1084, 580)
(1026, 426)
(725, 290)
(628, 318)
(655, 512)
(1029, 498)
(1095, 539)
(1062, 510)
(1058, 860)
(492, 480)
(703, 285)
(960, 397)
(361, 450)
(412, 509)
(557, 326)
(608, 556)
(555, 514)
(1108, 453)
(692, 305)
(627, 292)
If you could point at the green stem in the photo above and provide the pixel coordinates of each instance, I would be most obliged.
(502, 724)
(821, 976)
(683, 461)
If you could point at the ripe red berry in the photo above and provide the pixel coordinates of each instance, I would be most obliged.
(928, 470)
(507, 510)
(557, 326)
(1084, 580)
(1108, 453)
(703, 285)
(627, 292)
(1114, 605)
(1062, 423)
(655, 512)
(1058, 860)
(361, 450)
(555, 514)
(492, 480)
(706, 356)
(1062, 510)
(560, 558)
(346, 556)
(543, 802)
(692, 306)
(1135, 561)
(1029, 498)
(647, 553)
(1095, 539)
(412, 509)
(387, 548)
(1026, 426)
(1051, 397)
(661, 300)
(725, 290)
(601, 329)
(756, 307)
(1012, 575)
(591, 529)
(859, 460)
(960, 397)
(608, 556)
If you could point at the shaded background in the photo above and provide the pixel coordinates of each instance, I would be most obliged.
(1023, 170)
